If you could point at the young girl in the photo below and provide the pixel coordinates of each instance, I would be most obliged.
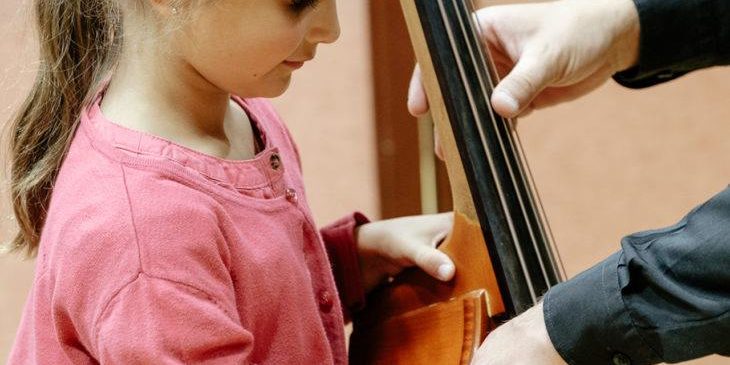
(164, 199)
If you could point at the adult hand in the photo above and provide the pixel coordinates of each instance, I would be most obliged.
(549, 53)
(521, 341)
(389, 246)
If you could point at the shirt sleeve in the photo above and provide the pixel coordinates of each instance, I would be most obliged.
(677, 37)
(663, 298)
(339, 239)
(157, 321)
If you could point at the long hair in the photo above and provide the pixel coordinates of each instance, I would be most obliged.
(79, 42)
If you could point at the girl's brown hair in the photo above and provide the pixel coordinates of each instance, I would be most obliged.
(79, 42)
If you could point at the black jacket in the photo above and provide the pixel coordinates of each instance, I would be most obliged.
(665, 296)
(677, 37)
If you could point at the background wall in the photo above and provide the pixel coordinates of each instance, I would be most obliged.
(17, 56)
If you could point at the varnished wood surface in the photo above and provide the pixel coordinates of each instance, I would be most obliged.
(443, 333)
(400, 323)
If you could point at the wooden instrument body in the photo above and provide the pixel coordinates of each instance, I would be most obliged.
(452, 318)
(416, 319)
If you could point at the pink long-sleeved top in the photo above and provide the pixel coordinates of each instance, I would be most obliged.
(153, 253)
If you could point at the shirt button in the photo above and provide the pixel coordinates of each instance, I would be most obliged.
(621, 359)
(275, 161)
(291, 195)
(325, 301)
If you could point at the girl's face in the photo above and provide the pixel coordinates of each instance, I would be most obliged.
(251, 47)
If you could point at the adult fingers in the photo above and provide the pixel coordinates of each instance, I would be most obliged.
(560, 94)
(417, 101)
(529, 77)
(438, 149)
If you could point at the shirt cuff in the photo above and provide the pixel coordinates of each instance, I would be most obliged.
(340, 241)
(589, 323)
(677, 37)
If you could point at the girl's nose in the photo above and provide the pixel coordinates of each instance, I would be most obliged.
(326, 25)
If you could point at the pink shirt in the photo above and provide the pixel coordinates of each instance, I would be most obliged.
(153, 253)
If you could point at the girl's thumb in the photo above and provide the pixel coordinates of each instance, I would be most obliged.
(433, 262)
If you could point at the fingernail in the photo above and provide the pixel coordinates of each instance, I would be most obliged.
(445, 271)
(507, 100)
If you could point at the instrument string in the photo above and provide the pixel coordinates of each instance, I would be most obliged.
(553, 255)
(477, 116)
(528, 207)
(553, 252)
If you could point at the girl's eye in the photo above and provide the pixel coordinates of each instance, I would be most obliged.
(301, 5)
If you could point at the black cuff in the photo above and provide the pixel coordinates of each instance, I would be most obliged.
(677, 37)
(588, 322)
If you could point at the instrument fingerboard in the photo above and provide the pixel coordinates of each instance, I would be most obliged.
(505, 199)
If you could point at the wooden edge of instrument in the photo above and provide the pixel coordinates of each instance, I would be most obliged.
(417, 319)
(414, 289)
(476, 305)
(449, 332)
(462, 197)
(466, 221)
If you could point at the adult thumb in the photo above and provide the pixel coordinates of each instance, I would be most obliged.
(417, 101)
(517, 90)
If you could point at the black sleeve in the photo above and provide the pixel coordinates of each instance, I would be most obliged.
(665, 297)
(677, 37)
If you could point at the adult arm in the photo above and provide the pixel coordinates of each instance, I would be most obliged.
(662, 298)
(677, 37)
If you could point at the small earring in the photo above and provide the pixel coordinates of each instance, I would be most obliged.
(174, 10)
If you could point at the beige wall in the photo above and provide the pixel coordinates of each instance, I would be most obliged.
(16, 55)
(620, 161)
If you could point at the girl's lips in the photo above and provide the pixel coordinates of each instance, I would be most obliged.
(294, 65)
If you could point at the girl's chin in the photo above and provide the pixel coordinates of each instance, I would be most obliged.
(271, 88)
(277, 88)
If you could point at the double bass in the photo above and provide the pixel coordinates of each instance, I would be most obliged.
(500, 241)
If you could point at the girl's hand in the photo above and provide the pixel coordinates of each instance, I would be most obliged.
(387, 247)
